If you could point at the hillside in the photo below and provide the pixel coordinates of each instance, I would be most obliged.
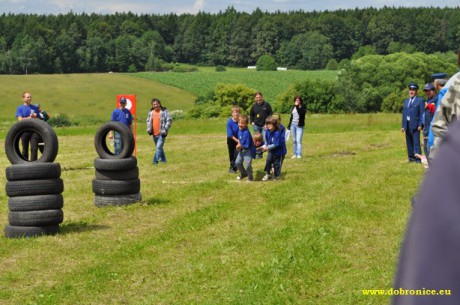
(87, 97)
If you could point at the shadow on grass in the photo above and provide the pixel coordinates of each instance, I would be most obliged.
(76, 227)
(155, 201)
(258, 175)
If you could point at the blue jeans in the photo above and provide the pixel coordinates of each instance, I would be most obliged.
(262, 131)
(244, 156)
(296, 134)
(159, 152)
(117, 142)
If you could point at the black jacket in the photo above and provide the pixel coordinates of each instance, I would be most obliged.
(301, 110)
(260, 112)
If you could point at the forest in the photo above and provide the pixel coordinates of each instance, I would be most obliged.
(127, 42)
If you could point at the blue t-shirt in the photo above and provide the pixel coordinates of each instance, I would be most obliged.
(25, 110)
(276, 143)
(123, 116)
(246, 141)
(283, 139)
(232, 128)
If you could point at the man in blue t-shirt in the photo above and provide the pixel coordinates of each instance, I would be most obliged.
(24, 112)
(122, 115)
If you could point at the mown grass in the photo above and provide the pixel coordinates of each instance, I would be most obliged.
(329, 228)
(270, 83)
(88, 97)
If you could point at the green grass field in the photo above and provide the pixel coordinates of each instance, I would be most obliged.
(328, 229)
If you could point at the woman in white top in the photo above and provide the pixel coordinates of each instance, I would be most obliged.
(296, 126)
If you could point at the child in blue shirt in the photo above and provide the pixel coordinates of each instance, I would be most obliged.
(283, 136)
(246, 149)
(259, 143)
(276, 147)
(232, 138)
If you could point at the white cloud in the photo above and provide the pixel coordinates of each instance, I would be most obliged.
(199, 4)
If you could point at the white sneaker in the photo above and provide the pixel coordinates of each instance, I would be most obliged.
(266, 177)
(293, 157)
(299, 157)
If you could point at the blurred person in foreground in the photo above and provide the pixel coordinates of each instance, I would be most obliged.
(447, 111)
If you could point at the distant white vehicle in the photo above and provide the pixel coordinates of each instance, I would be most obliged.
(281, 69)
(252, 67)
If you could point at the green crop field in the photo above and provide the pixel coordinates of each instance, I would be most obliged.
(270, 83)
(329, 228)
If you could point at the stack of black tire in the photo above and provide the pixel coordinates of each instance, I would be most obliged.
(117, 175)
(34, 188)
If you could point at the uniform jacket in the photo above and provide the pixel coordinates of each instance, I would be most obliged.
(414, 111)
(430, 107)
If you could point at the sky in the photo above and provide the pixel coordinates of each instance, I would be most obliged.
(45, 7)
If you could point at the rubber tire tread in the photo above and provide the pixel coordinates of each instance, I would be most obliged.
(128, 174)
(34, 187)
(22, 232)
(116, 187)
(33, 171)
(115, 164)
(34, 203)
(47, 133)
(116, 200)
(126, 136)
(36, 218)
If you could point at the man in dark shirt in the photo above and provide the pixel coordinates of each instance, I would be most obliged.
(260, 111)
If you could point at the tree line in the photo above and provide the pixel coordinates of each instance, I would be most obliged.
(127, 42)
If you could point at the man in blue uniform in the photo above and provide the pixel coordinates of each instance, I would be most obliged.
(24, 112)
(430, 107)
(412, 122)
(122, 115)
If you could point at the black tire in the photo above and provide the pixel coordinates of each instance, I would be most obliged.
(115, 164)
(20, 232)
(34, 187)
(45, 131)
(36, 218)
(33, 171)
(115, 200)
(126, 136)
(128, 174)
(116, 187)
(34, 203)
